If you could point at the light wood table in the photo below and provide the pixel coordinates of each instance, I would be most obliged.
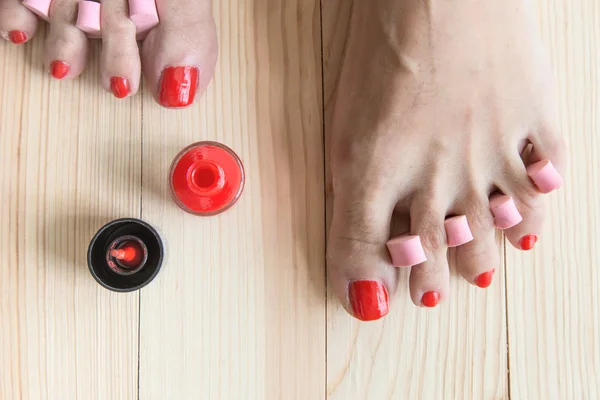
(241, 309)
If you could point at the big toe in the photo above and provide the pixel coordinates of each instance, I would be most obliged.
(180, 54)
(17, 23)
(357, 261)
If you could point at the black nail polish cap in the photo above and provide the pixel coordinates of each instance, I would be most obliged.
(108, 271)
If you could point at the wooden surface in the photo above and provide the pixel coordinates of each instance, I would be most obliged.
(240, 309)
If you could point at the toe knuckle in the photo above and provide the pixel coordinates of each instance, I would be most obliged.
(118, 27)
(480, 218)
(530, 202)
(433, 237)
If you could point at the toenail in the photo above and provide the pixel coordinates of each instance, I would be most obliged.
(504, 211)
(59, 69)
(430, 299)
(545, 177)
(178, 86)
(528, 241)
(369, 300)
(484, 280)
(17, 37)
(457, 231)
(406, 251)
(120, 87)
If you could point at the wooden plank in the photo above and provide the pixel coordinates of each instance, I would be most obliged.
(553, 292)
(457, 351)
(69, 162)
(238, 311)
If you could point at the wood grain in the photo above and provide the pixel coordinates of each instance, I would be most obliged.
(238, 311)
(553, 292)
(70, 161)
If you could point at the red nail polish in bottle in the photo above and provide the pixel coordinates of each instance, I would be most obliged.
(125, 255)
(206, 178)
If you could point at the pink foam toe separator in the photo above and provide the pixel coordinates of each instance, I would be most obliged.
(143, 13)
(544, 176)
(505, 211)
(457, 231)
(88, 17)
(406, 251)
(39, 7)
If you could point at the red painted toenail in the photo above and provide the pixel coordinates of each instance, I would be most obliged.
(528, 241)
(17, 37)
(59, 69)
(178, 86)
(119, 87)
(484, 280)
(369, 300)
(430, 299)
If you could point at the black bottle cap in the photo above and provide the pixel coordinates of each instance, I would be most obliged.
(125, 275)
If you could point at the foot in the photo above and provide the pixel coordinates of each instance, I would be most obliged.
(177, 57)
(439, 105)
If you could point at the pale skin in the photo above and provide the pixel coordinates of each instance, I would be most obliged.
(436, 102)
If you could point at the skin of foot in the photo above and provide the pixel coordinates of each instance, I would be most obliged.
(439, 104)
(177, 57)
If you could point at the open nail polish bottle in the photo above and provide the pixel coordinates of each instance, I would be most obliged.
(206, 178)
(125, 255)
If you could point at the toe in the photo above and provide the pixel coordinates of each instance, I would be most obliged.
(357, 261)
(478, 259)
(179, 55)
(65, 53)
(429, 281)
(120, 59)
(547, 144)
(17, 23)
(529, 205)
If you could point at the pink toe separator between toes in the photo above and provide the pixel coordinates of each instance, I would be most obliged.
(505, 211)
(88, 18)
(457, 231)
(144, 14)
(544, 176)
(38, 7)
(406, 251)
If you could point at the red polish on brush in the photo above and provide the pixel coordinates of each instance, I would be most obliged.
(126, 254)
(206, 178)
(130, 254)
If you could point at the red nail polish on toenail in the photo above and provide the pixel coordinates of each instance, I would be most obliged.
(59, 69)
(119, 87)
(528, 241)
(430, 299)
(17, 37)
(369, 300)
(484, 280)
(178, 86)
